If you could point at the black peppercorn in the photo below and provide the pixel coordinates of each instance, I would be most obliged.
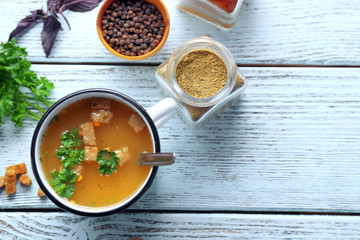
(132, 27)
(138, 42)
(144, 46)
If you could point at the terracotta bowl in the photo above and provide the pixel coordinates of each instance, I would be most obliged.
(166, 19)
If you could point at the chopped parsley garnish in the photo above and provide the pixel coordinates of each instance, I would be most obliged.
(69, 155)
(71, 139)
(67, 152)
(108, 162)
(63, 182)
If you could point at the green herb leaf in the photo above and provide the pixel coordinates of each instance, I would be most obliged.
(71, 139)
(108, 162)
(63, 182)
(22, 93)
(68, 152)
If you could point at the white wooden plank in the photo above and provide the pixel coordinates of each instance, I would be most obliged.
(306, 32)
(177, 226)
(290, 144)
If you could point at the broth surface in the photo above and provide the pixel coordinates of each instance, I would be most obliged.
(94, 189)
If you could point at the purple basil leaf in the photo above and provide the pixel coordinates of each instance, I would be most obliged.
(52, 11)
(50, 4)
(49, 33)
(27, 22)
(54, 6)
(80, 5)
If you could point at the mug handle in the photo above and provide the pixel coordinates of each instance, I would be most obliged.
(162, 111)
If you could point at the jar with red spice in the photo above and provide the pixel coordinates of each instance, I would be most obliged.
(221, 12)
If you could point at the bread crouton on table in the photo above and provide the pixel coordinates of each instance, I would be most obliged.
(101, 116)
(41, 193)
(2, 182)
(25, 179)
(123, 154)
(136, 123)
(100, 103)
(88, 133)
(18, 168)
(90, 153)
(10, 182)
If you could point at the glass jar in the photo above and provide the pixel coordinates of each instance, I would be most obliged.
(197, 111)
(221, 12)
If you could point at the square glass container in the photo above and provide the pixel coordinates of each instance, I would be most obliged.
(220, 12)
(198, 111)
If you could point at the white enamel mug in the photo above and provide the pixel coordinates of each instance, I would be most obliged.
(154, 117)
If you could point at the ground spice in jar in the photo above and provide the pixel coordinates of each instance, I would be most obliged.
(201, 73)
(197, 112)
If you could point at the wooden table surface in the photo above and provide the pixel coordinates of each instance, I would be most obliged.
(282, 162)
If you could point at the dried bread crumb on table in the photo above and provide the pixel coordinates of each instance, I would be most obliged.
(18, 168)
(10, 182)
(41, 193)
(25, 179)
(2, 182)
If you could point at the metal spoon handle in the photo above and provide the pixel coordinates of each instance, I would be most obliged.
(157, 159)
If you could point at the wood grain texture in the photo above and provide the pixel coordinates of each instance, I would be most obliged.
(290, 144)
(160, 226)
(273, 32)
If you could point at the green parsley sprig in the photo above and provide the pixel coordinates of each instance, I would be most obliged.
(63, 182)
(108, 162)
(68, 152)
(71, 139)
(22, 93)
(69, 155)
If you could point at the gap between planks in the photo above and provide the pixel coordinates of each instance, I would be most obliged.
(157, 64)
(288, 213)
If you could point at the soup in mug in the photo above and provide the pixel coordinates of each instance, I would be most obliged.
(90, 153)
